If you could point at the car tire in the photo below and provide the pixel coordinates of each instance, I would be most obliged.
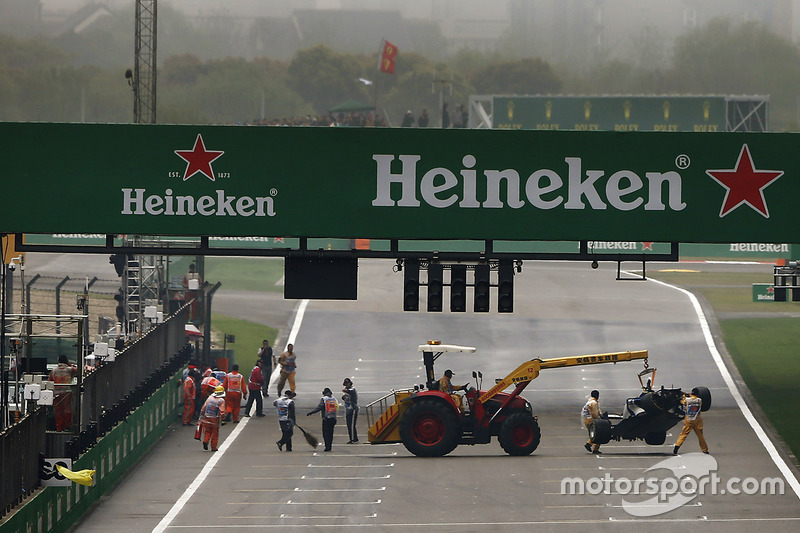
(519, 434)
(656, 438)
(704, 394)
(600, 431)
(430, 428)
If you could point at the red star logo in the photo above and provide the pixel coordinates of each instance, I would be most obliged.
(198, 159)
(744, 184)
(647, 246)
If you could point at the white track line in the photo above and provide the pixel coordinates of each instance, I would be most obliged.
(471, 526)
(214, 459)
(192, 488)
(298, 320)
(737, 396)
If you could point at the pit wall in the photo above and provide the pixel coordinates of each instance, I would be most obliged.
(56, 509)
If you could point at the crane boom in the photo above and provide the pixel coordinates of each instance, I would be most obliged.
(527, 372)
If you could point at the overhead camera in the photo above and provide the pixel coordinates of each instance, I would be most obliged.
(595, 264)
(12, 267)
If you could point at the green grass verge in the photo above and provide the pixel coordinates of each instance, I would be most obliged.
(763, 349)
(688, 278)
(765, 352)
(740, 300)
(248, 338)
(258, 274)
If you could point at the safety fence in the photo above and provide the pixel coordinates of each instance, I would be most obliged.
(111, 416)
(56, 509)
(109, 383)
(20, 446)
(111, 394)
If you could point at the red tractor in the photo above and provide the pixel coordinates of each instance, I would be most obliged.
(431, 422)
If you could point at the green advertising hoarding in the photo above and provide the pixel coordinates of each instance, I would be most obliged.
(611, 113)
(345, 183)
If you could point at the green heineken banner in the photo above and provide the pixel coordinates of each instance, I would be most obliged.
(611, 113)
(236, 181)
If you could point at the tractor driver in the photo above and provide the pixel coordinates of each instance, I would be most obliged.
(445, 385)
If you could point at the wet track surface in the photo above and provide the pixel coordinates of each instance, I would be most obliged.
(560, 309)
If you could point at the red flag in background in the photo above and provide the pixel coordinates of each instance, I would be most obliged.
(388, 53)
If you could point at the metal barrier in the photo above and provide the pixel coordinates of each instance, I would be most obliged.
(111, 393)
(20, 447)
(109, 383)
(57, 509)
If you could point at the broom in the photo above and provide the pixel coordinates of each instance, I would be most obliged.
(310, 439)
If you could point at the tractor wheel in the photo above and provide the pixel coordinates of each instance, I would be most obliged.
(519, 434)
(656, 438)
(600, 431)
(430, 428)
(705, 395)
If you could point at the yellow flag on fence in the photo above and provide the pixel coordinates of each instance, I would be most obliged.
(82, 477)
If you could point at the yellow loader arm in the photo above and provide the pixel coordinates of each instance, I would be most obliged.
(527, 372)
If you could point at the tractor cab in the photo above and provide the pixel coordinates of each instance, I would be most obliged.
(431, 351)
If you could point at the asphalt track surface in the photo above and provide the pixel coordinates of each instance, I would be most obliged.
(560, 309)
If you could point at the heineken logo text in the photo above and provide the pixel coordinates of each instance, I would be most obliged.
(622, 190)
(138, 202)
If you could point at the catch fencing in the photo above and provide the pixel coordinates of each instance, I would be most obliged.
(111, 392)
(20, 446)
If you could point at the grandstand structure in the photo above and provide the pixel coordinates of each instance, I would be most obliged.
(698, 113)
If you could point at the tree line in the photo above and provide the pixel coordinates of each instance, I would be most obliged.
(43, 79)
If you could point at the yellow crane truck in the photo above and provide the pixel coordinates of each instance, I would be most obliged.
(431, 423)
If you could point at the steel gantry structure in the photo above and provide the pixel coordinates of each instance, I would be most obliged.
(144, 74)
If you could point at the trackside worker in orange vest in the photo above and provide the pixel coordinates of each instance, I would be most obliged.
(62, 403)
(692, 421)
(212, 413)
(589, 413)
(208, 385)
(234, 390)
(189, 393)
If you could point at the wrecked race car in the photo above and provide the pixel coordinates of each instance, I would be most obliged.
(648, 416)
